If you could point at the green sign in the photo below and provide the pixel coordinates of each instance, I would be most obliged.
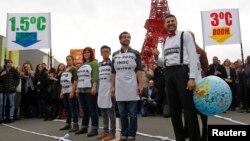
(25, 22)
(28, 31)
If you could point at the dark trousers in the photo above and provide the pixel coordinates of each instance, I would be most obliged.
(181, 98)
(239, 94)
(247, 98)
(71, 109)
(29, 104)
(234, 96)
(90, 110)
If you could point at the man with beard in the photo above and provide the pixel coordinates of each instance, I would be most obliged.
(127, 85)
(180, 61)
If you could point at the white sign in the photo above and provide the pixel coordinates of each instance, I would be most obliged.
(28, 31)
(221, 26)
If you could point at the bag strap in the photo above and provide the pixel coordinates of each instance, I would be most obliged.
(181, 51)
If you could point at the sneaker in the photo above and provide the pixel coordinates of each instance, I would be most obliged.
(66, 127)
(74, 128)
(110, 136)
(82, 131)
(92, 133)
(102, 135)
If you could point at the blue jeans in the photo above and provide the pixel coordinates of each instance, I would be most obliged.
(148, 107)
(71, 109)
(11, 97)
(128, 117)
(90, 110)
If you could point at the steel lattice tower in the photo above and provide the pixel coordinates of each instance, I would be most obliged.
(155, 29)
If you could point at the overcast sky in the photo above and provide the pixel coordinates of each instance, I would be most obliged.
(80, 23)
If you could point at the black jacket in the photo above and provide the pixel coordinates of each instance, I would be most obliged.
(10, 80)
(212, 68)
(154, 94)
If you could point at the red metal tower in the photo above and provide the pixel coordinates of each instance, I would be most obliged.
(155, 29)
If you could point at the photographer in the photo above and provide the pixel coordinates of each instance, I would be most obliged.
(149, 99)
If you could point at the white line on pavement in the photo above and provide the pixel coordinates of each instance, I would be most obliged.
(64, 138)
(40, 134)
(230, 119)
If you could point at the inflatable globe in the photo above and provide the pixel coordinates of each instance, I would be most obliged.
(212, 95)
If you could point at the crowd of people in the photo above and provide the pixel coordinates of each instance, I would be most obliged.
(122, 85)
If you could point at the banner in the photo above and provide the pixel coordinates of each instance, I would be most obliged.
(28, 31)
(221, 26)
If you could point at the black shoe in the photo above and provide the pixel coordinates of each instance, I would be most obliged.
(117, 114)
(81, 131)
(166, 116)
(9, 121)
(53, 118)
(17, 118)
(92, 133)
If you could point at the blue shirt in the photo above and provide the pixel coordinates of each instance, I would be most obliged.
(150, 92)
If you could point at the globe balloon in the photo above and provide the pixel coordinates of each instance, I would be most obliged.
(212, 95)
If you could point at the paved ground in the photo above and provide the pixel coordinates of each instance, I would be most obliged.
(152, 128)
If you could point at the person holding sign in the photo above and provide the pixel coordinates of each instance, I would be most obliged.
(87, 92)
(127, 85)
(180, 61)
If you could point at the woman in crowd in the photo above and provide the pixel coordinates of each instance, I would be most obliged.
(87, 89)
(29, 107)
(41, 87)
(69, 82)
(59, 102)
(50, 96)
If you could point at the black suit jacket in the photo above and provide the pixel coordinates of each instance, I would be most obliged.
(212, 68)
(154, 94)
